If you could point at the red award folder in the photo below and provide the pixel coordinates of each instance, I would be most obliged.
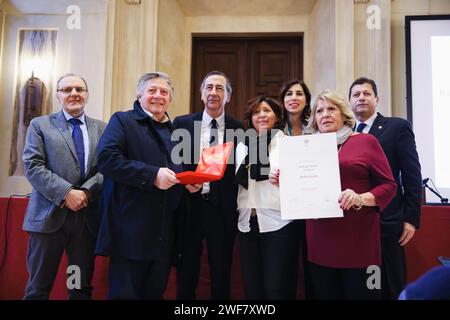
(211, 166)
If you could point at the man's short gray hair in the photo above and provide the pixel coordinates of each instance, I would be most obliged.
(142, 83)
(71, 75)
(217, 73)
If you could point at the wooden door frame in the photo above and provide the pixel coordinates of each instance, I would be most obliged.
(241, 36)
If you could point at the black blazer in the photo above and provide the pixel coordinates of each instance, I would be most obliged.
(225, 190)
(397, 140)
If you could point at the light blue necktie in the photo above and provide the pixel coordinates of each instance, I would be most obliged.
(77, 137)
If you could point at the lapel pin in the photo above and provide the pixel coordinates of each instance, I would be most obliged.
(379, 127)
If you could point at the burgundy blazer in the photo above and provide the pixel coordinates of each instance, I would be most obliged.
(354, 240)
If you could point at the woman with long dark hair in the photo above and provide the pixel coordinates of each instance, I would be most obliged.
(295, 98)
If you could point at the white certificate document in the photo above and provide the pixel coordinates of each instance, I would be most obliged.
(309, 177)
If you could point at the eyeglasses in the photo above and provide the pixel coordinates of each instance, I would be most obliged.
(69, 90)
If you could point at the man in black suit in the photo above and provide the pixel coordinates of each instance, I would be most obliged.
(212, 215)
(401, 218)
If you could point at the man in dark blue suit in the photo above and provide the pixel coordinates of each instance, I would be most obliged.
(401, 218)
(212, 215)
(141, 193)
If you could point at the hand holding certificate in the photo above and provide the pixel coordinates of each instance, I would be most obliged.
(309, 177)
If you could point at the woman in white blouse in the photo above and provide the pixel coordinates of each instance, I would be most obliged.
(268, 245)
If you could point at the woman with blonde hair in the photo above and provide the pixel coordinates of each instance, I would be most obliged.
(341, 249)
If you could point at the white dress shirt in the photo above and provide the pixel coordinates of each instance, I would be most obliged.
(261, 195)
(368, 122)
(206, 135)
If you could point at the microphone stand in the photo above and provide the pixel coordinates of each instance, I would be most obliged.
(444, 201)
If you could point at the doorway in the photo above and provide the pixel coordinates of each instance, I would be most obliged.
(255, 64)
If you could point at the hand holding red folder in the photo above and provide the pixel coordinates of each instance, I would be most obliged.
(211, 166)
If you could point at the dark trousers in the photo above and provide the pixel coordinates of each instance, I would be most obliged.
(269, 262)
(45, 251)
(393, 269)
(138, 280)
(207, 223)
(341, 284)
(306, 280)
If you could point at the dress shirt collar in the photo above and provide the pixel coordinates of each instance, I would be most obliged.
(68, 116)
(369, 122)
(206, 118)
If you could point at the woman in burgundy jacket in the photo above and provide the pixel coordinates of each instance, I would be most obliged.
(345, 253)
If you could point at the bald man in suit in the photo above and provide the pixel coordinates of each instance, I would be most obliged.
(60, 164)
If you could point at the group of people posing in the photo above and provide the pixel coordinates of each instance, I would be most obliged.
(112, 190)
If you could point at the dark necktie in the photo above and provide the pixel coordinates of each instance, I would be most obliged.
(213, 141)
(214, 137)
(77, 137)
(361, 127)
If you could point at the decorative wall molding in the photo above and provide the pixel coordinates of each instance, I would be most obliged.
(132, 2)
(130, 51)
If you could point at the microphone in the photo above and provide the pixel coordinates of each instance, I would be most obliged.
(444, 201)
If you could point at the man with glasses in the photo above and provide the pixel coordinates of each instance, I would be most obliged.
(60, 164)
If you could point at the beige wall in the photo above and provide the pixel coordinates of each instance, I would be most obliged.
(331, 45)
(400, 9)
(173, 54)
(372, 49)
(344, 45)
(131, 50)
(322, 39)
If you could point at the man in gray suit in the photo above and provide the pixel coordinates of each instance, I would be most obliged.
(61, 165)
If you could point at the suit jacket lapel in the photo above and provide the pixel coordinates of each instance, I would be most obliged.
(228, 125)
(61, 124)
(196, 141)
(93, 138)
(377, 125)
